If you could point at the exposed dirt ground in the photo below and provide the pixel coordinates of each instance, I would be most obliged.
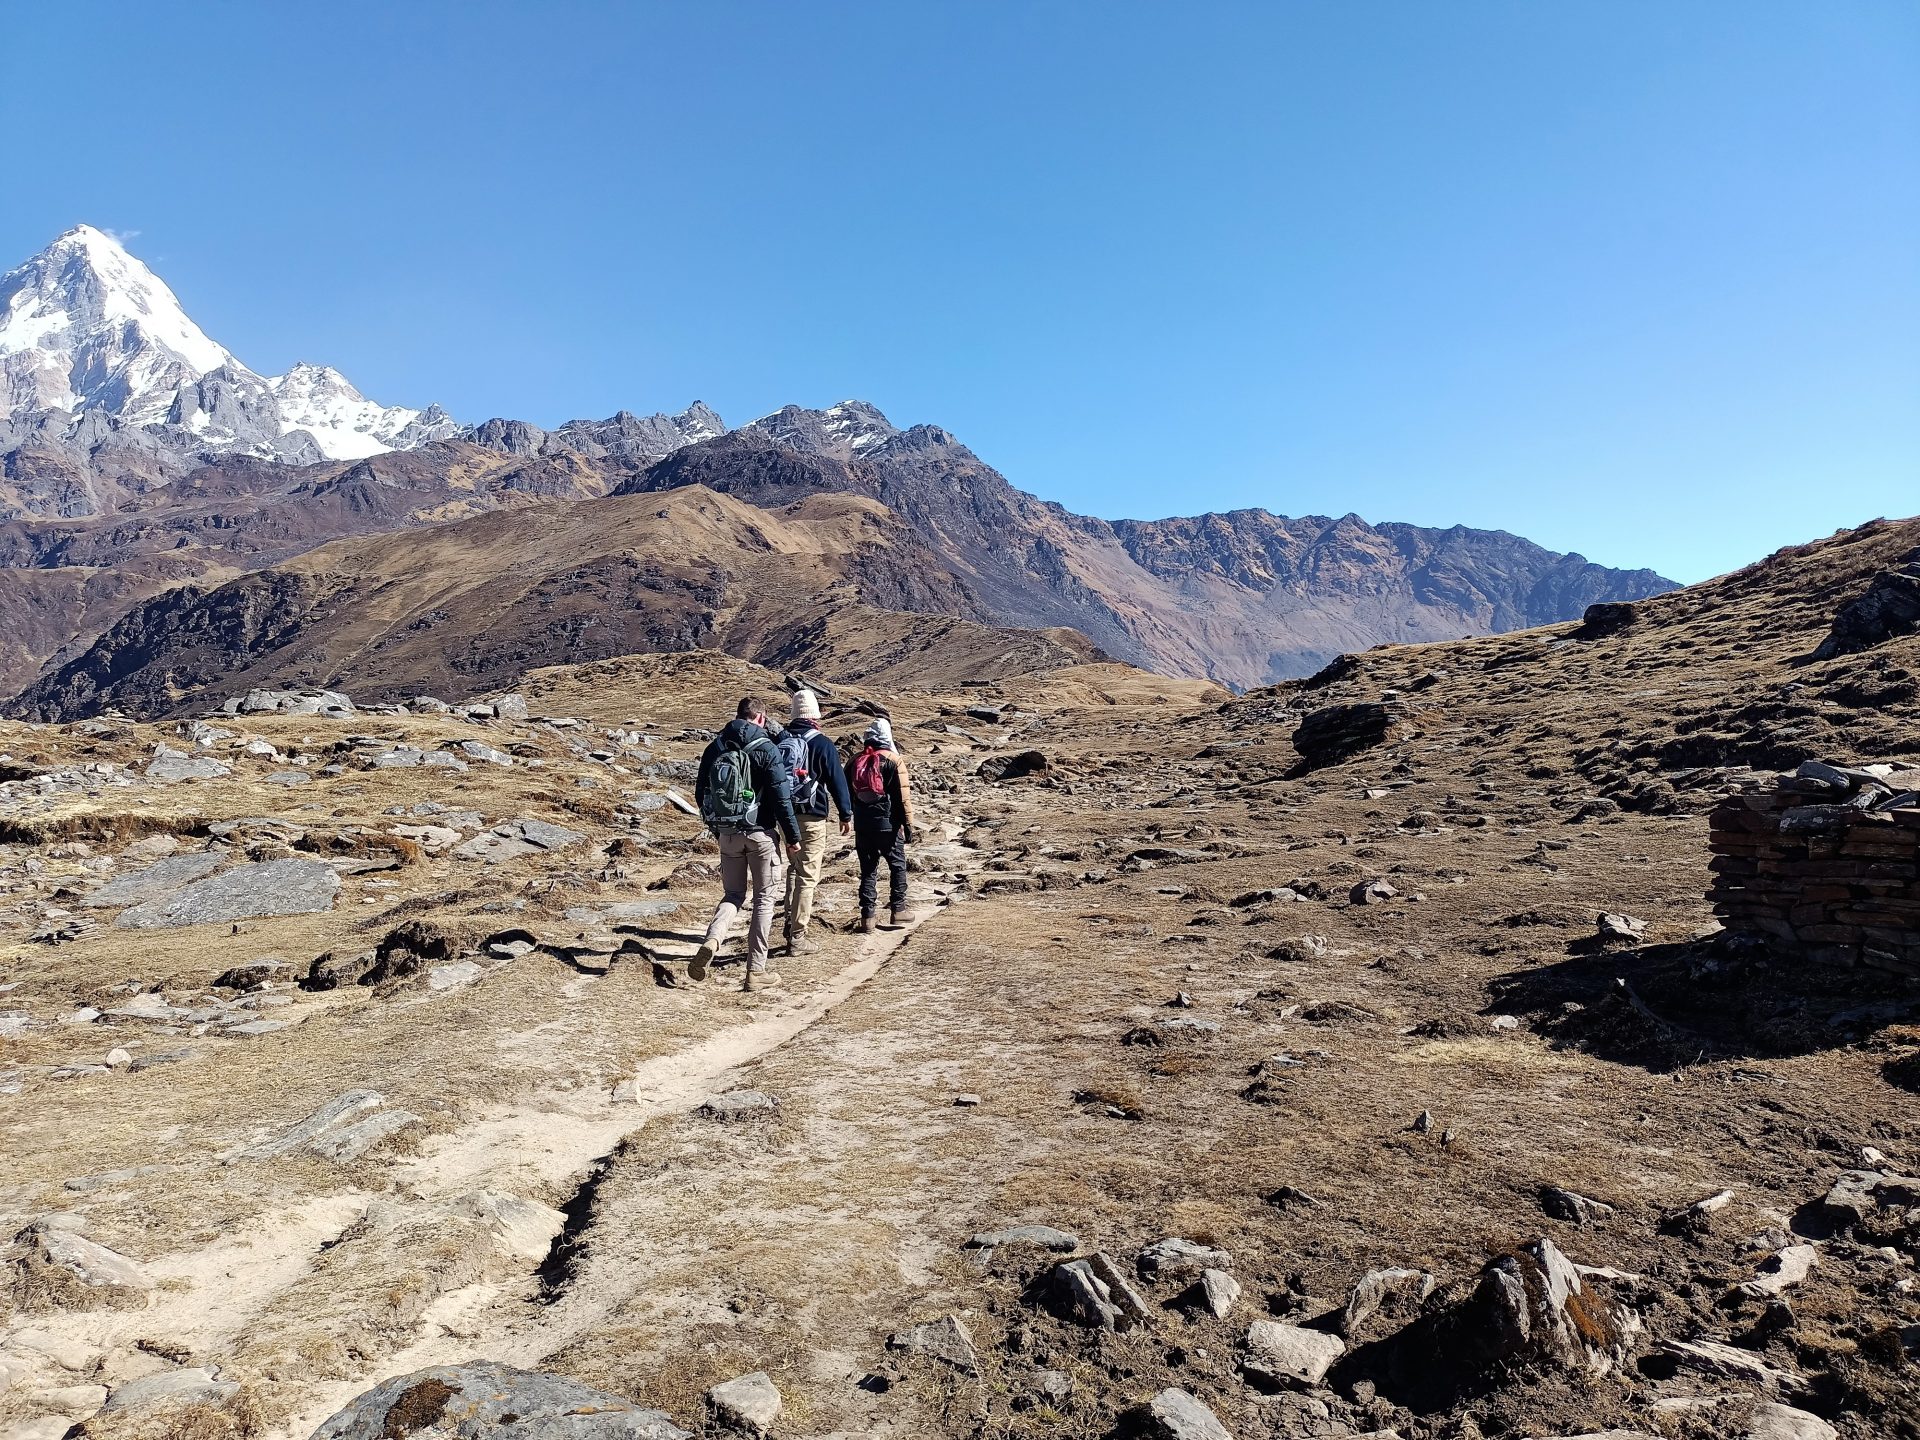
(1384, 1084)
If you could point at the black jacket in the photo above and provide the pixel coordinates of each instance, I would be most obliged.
(823, 764)
(772, 785)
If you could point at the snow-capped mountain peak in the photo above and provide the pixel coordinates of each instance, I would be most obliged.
(344, 423)
(85, 327)
(843, 431)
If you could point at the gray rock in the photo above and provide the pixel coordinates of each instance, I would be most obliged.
(254, 974)
(1216, 1292)
(1774, 1421)
(1096, 1293)
(738, 1105)
(1044, 1236)
(1371, 892)
(89, 1262)
(183, 1387)
(515, 838)
(243, 892)
(1621, 929)
(250, 1028)
(1856, 1194)
(288, 777)
(1730, 1362)
(347, 1143)
(338, 1111)
(169, 766)
(1056, 1385)
(485, 753)
(1176, 1415)
(1781, 1271)
(944, 1340)
(1371, 1291)
(747, 1403)
(1174, 1257)
(472, 1402)
(1575, 1209)
(159, 879)
(1278, 1352)
(510, 707)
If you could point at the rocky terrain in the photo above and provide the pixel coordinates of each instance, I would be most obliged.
(1354, 1057)
(138, 458)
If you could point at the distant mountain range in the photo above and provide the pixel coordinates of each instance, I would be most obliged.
(145, 473)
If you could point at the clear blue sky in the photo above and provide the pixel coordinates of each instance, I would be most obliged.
(1636, 279)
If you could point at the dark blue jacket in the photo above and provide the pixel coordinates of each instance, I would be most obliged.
(772, 785)
(823, 764)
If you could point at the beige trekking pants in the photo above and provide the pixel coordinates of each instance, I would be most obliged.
(803, 876)
(749, 860)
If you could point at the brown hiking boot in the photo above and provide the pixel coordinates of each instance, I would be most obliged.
(866, 924)
(798, 944)
(702, 958)
(899, 917)
(761, 980)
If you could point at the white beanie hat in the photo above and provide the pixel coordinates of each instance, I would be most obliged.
(805, 705)
(880, 733)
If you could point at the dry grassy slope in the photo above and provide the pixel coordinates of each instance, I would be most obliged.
(464, 608)
(65, 580)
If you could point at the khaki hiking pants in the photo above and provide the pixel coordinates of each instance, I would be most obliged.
(749, 860)
(803, 875)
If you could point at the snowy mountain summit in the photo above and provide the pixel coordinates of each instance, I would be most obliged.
(91, 338)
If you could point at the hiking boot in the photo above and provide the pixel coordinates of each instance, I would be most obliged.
(702, 958)
(899, 916)
(866, 924)
(761, 980)
(798, 944)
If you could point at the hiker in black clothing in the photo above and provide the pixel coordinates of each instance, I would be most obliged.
(819, 782)
(882, 822)
(746, 797)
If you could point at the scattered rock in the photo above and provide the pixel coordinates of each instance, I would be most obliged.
(1171, 1258)
(515, 838)
(1774, 1421)
(181, 1387)
(1094, 1292)
(1027, 764)
(748, 1404)
(473, 1402)
(1373, 1290)
(1280, 1353)
(945, 1340)
(1371, 892)
(1215, 1291)
(1573, 1208)
(170, 766)
(1176, 1415)
(102, 1275)
(1781, 1271)
(1621, 929)
(1044, 1236)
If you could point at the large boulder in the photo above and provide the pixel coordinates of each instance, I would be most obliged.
(483, 1400)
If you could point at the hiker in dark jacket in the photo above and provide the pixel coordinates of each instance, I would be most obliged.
(882, 822)
(819, 783)
(746, 797)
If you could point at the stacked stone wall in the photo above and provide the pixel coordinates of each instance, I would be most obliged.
(1824, 867)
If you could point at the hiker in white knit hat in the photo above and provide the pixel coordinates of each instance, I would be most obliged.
(882, 822)
(819, 784)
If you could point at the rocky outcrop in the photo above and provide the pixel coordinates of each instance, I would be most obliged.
(482, 1400)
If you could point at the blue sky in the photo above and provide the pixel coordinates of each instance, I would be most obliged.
(1636, 279)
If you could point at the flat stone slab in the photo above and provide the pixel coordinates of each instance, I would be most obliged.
(738, 1105)
(159, 879)
(182, 1387)
(1176, 1415)
(1061, 1242)
(514, 838)
(473, 1402)
(243, 892)
(172, 767)
(1280, 1352)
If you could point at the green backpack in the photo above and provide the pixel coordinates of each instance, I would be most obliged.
(729, 804)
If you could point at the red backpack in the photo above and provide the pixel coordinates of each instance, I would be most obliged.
(869, 779)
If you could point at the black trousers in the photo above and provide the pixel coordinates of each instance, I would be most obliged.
(873, 847)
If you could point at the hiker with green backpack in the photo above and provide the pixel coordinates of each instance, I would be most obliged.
(745, 794)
